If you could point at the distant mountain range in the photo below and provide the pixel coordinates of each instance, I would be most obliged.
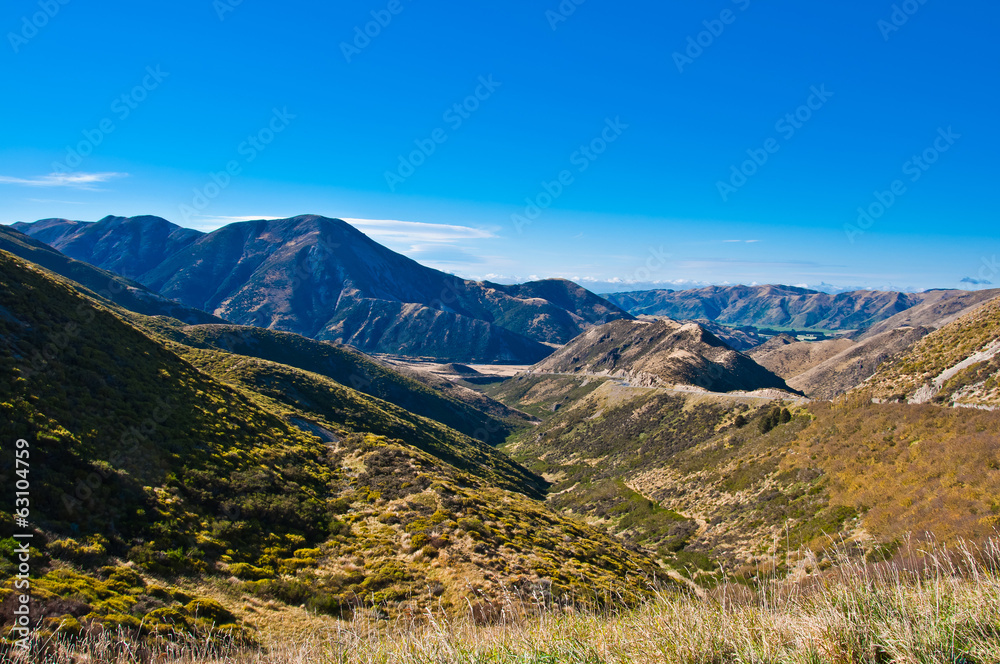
(775, 306)
(324, 279)
(826, 369)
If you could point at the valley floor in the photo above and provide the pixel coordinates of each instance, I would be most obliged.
(939, 605)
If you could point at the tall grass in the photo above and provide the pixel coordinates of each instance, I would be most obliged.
(932, 605)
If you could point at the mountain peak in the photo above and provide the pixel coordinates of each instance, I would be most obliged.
(323, 278)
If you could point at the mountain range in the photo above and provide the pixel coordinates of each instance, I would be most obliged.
(324, 279)
(776, 307)
(189, 469)
(287, 466)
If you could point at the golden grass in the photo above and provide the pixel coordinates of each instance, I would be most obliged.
(939, 605)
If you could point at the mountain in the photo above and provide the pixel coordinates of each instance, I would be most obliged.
(939, 308)
(826, 369)
(957, 365)
(660, 353)
(770, 306)
(738, 338)
(123, 292)
(324, 279)
(128, 246)
(158, 468)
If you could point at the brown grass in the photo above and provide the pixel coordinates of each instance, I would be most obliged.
(935, 605)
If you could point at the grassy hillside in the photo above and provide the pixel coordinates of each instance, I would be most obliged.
(295, 393)
(957, 364)
(347, 367)
(140, 460)
(708, 480)
(940, 605)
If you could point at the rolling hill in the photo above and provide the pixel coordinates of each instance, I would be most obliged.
(157, 467)
(660, 353)
(324, 279)
(855, 364)
(788, 357)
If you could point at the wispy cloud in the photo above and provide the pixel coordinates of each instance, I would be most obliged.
(73, 180)
(50, 200)
(417, 232)
(741, 241)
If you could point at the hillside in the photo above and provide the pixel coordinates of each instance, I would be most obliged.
(856, 364)
(125, 293)
(770, 306)
(348, 367)
(660, 353)
(709, 480)
(787, 357)
(939, 308)
(323, 278)
(958, 364)
(153, 477)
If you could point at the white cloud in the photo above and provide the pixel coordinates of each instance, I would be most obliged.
(232, 220)
(417, 231)
(74, 180)
(49, 200)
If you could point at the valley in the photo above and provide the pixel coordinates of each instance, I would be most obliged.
(587, 455)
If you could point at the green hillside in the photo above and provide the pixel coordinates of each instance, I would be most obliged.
(347, 367)
(140, 460)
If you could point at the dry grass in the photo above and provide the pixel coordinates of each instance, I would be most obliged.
(938, 605)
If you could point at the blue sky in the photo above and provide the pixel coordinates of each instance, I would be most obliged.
(617, 130)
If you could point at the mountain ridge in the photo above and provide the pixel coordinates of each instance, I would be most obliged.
(775, 306)
(660, 353)
(323, 278)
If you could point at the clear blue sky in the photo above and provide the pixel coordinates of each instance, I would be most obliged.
(200, 78)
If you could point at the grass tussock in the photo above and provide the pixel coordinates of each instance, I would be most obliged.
(935, 605)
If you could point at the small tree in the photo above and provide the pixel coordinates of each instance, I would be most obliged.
(786, 415)
(740, 421)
